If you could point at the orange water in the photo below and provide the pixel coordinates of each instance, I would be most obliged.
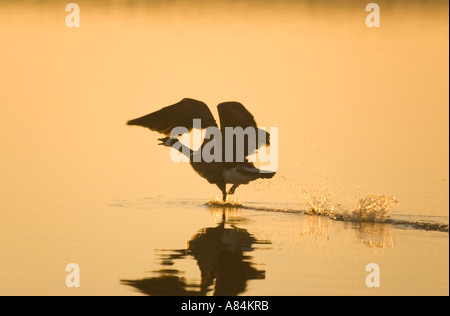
(360, 111)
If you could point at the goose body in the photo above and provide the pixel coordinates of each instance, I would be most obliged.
(222, 172)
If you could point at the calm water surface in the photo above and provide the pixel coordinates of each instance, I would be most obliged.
(360, 112)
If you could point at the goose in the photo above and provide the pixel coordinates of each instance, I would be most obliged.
(220, 172)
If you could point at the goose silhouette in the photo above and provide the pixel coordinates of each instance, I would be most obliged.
(222, 171)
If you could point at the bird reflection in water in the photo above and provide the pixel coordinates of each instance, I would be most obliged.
(220, 253)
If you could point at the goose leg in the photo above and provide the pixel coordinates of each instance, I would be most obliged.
(232, 189)
(223, 188)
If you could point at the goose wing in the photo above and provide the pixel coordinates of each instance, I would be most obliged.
(234, 114)
(179, 114)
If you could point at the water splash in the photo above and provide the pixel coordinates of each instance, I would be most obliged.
(230, 202)
(319, 205)
(373, 208)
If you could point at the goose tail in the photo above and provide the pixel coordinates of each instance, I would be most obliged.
(264, 174)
